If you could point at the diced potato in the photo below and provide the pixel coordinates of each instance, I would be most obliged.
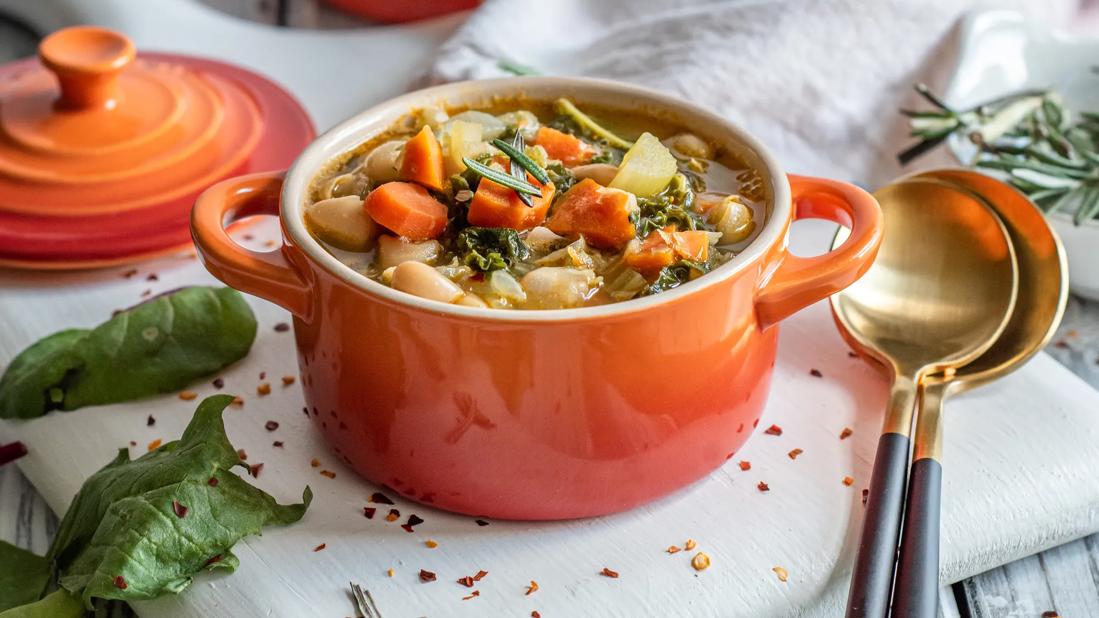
(393, 250)
(383, 163)
(646, 168)
(526, 121)
(554, 287)
(343, 223)
(491, 126)
(462, 140)
(733, 219)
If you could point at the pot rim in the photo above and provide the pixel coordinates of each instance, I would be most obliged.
(361, 126)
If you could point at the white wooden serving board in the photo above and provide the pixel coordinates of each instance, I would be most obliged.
(1020, 455)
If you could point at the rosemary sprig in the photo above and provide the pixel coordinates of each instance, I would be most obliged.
(514, 167)
(515, 153)
(501, 178)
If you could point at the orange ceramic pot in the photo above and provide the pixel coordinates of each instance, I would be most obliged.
(536, 414)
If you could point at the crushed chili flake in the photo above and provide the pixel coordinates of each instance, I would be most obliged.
(865, 495)
(480, 575)
(242, 454)
(609, 573)
(848, 481)
(700, 561)
(263, 389)
(533, 587)
(277, 443)
(781, 572)
(129, 273)
(852, 354)
(132, 443)
(794, 453)
(816, 373)
(393, 515)
(328, 473)
(320, 547)
(315, 463)
(287, 380)
(213, 559)
(179, 509)
(1060, 344)
(535, 614)
(673, 549)
(745, 465)
(238, 401)
(149, 422)
(690, 544)
(271, 425)
(390, 572)
(368, 512)
(763, 486)
(120, 582)
(152, 277)
(773, 430)
(263, 375)
(414, 520)
(1050, 614)
(466, 581)
(376, 497)
(12, 451)
(218, 383)
(146, 293)
(475, 593)
(212, 481)
(154, 445)
(188, 395)
(255, 469)
(730, 455)
(282, 327)
(480, 522)
(431, 543)
(426, 576)
(846, 433)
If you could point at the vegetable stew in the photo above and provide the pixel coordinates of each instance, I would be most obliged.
(535, 206)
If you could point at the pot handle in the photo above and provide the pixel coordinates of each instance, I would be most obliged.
(267, 274)
(798, 281)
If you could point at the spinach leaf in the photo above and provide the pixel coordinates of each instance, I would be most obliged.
(58, 604)
(491, 248)
(675, 205)
(675, 275)
(159, 346)
(140, 528)
(23, 576)
(561, 177)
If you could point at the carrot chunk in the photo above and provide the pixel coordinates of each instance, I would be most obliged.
(495, 205)
(407, 209)
(665, 247)
(600, 215)
(568, 149)
(423, 160)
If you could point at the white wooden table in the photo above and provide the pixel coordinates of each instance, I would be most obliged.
(1064, 579)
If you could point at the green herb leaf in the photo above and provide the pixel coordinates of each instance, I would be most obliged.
(501, 178)
(516, 68)
(491, 248)
(156, 521)
(23, 576)
(159, 346)
(517, 156)
(589, 126)
(674, 276)
(58, 604)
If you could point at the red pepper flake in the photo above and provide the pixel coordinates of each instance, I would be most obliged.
(431, 543)
(730, 455)
(848, 481)
(179, 509)
(690, 544)
(154, 445)
(287, 380)
(865, 495)
(755, 423)
(132, 443)
(535, 614)
(263, 375)
(218, 383)
(320, 547)
(466, 581)
(255, 469)
(377, 497)
(816, 373)
(773, 430)
(247, 237)
(242, 454)
(414, 520)
(213, 560)
(480, 522)
(120, 582)
(763, 486)
(271, 425)
(368, 512)
(745, 465)
(1050, 614)
(129, 273)
(315, 463)
(188, 395)
(1060, 343)
(673, 549)
(263, 389)
(480, 575)
(794, 453)
(533, 587)
(328, 473)
(609, 573)
(393, 515)
(149, 422)
(426, 576)
(12, 451)
(146, 293)
(846, 433)
(152, 277)
(238, 401)
(282, 327)
(277, 444)
(212, 481)
(475, 593)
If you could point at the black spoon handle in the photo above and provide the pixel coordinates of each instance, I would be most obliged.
(917, 593)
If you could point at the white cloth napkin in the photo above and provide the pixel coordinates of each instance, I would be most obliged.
(819, 82)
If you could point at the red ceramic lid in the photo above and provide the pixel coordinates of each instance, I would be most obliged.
(103, 150)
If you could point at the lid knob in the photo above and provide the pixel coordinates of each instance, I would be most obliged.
(87, 61)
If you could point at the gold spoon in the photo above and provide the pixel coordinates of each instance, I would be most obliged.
(938, 296)
(1043, 292)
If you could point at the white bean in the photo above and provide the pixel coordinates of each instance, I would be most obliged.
(421, 280)
(690, 145)
(343, 223)
(393, 250)
(472, 300)
(603, 173)
(381, 164)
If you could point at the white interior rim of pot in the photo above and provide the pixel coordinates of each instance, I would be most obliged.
(605, 93)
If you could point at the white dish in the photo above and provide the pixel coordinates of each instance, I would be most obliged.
(1000, 52)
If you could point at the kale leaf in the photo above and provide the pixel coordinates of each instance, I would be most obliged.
(158, 346)
(561, 177)
(23, 576)
(138, 529)
(675, 275)
(491, 248)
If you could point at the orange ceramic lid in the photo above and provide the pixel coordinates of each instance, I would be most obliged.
(102, 150)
